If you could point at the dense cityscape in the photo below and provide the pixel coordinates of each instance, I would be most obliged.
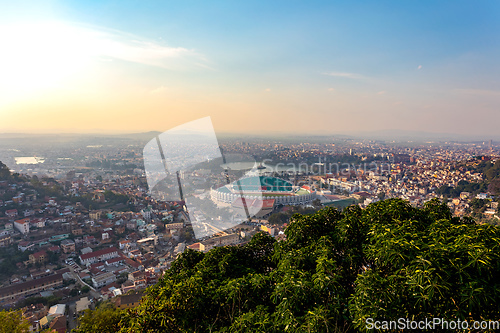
(249, 166)
(79, 225)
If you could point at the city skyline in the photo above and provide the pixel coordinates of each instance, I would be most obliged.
(320, 68)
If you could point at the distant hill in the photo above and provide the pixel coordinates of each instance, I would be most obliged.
(383, 135)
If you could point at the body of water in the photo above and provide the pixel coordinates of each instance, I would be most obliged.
(267, 167)
(29, 160)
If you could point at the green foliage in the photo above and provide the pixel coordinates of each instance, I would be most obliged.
(53, 189)
(105, 319)
(69, 282)
(489, 169)
(491, 183)
(478, 205)
(119, 280)
(13, 322)
(53, 300)
(4, 172)
(279, 218)
(115, 198)
(53, 257)
(74, 292)
(9, 257)
(32, 300)
(462, 186)
(334, 270)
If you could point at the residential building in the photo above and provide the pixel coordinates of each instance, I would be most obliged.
(103, 279)
(38, 257)
(25, 246)
(174, 226)
(14, 291)
(12, 213)
(128, 301)
(101, 255)
(95, 215)
(5, 240)
(23, 226)
(68, 246)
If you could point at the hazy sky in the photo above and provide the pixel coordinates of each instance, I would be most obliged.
(253, 66)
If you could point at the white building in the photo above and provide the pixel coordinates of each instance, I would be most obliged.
(146, 213)
(101, 255)
(103, 279)
(23, 226)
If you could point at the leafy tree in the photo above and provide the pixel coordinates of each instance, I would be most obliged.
(53, 257)
(13, 322)
(105, 319)
(5, 172)
(121, 278)
(478, 205)
(279, 218)
(316, 203)
(9, 257)
(74, 292)
(69, 282)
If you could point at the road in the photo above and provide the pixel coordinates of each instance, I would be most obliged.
(71, 312)
(93, 292)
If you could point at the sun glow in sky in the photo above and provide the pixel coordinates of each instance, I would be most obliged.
(38, 56)
(254, 67)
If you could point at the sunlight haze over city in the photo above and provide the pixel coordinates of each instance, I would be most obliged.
(321, 67)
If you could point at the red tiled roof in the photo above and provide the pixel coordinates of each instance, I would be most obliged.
(266, 203)
(59, 324)
(132, 263)
(195, 246)
(97, 265)
(99, 253)
(363, 194)
(39, 254)
(4, 291)
(111, 261)
(106, 288)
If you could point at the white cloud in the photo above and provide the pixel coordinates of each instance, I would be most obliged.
(159, 90)
(57, 40)
(345, 75)
(419, 67)
(122, 46)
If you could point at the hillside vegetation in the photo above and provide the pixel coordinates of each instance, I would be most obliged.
(335, 270)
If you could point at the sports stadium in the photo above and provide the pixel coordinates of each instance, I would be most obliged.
(263, 188)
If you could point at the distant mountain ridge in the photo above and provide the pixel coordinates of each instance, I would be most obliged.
(385, 135)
